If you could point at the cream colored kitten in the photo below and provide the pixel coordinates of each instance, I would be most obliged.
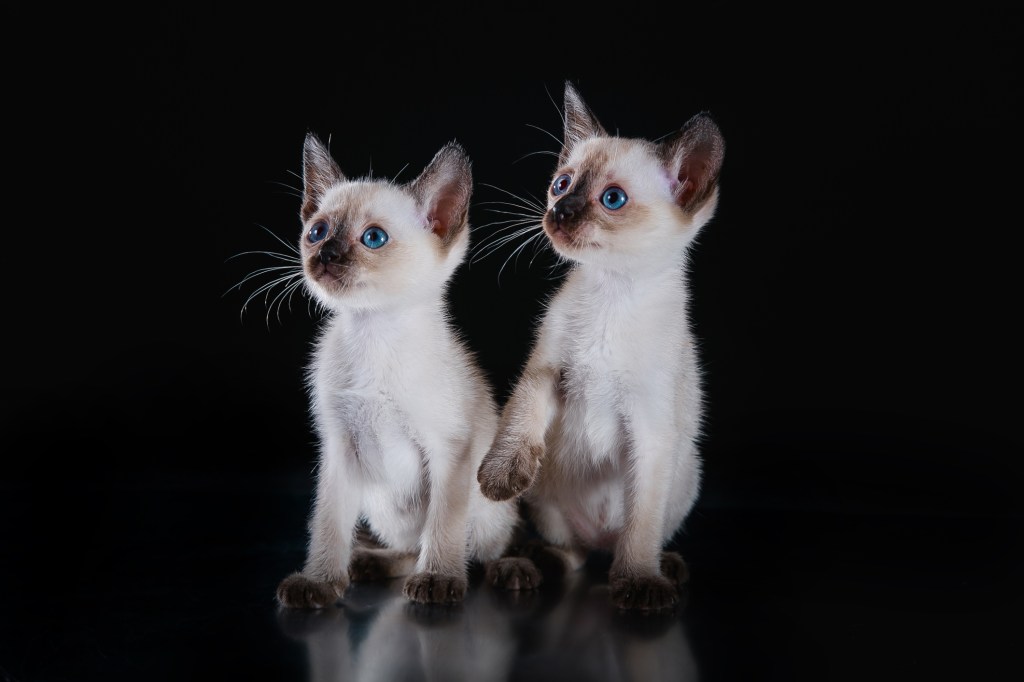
(600, 432)
(404, 416)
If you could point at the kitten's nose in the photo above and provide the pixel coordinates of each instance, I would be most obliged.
(567, 208)
(330, 252)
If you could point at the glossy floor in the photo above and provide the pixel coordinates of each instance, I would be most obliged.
(177, 583)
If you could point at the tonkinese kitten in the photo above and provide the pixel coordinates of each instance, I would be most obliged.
(403, 414)
(600, 433)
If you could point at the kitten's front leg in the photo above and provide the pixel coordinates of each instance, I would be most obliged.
(325, 577)
(510, 466)
(440, 576)
(636, 579)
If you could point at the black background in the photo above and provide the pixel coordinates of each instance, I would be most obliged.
(855, 297)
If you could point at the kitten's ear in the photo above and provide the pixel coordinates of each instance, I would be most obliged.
(693, 158)
(579, 122)
(443, 190)
(319, 174)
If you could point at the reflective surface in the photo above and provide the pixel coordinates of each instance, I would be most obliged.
(178, 582)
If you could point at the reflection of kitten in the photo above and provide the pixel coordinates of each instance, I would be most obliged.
(403, 414)
(604, 420)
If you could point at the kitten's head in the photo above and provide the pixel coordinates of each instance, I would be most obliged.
(624, 202)
(374, 244)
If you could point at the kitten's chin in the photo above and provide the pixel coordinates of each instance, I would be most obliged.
(334, 280)
(570, 244)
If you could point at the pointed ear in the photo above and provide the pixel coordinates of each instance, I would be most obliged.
(443, 190)
(579, 122)
(319, 174)
(693, 158)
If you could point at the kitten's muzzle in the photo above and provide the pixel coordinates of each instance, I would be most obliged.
(567, 208)
(331, 251)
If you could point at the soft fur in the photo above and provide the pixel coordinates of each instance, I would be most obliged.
(600, 434)
(404, 416)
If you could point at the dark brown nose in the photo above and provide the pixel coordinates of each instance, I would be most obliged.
(568, 207)
(330, 252)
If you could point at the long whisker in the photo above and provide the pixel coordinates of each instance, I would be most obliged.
(517, 250)
(497, 241)
(268, 286)
(496, 245)
(533, 202)
(288, 245)
(292, 191)
(535, 216)
(540, 151)
(399, 172)
(273, 254)
(548, 133)
(257, 273)
(279, 299)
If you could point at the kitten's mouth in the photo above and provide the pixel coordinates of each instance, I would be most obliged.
(575, 239)
(333, 275)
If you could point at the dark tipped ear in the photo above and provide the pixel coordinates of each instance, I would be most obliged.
(443, 190)
(319, 174)
(693, 157)
(579, 122)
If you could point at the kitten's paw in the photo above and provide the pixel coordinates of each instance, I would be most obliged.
(647, 593)
(674, 568)
(435, 588)
(508, 470)
(513, 573)
(298, 591)
(372, 565)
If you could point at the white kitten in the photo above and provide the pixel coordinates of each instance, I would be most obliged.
(604, 420)
(404, 416)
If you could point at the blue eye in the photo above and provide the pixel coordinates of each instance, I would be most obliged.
(561, 184)
(374, 237)
(614, 198)
(318, 232)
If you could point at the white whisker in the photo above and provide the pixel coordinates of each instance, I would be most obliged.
(548, 133)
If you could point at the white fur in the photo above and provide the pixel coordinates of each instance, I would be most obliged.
(403, 415)
(610, 399)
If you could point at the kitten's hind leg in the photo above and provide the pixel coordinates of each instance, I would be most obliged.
(512, 573)
(374, 563)
(533, 563)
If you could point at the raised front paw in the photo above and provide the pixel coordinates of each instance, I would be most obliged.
(298, 591)
(508, 469)
(647, 593)
(435, 588)
(513, 573)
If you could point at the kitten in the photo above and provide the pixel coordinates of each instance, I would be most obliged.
(403, 415)
(600, 433)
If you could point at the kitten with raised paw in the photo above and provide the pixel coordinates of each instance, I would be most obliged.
(403, 414)
(600, 434)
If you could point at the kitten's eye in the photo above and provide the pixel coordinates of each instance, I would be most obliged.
(374, 237)
(614, 198)
(317, 232)
(561, 184)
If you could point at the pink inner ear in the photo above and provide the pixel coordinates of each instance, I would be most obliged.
(687, 188)
(690, 173)
(435, 226)
(439, 220)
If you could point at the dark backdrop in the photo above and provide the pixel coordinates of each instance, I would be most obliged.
(855, 297)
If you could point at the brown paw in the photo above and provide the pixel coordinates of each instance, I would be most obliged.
(513, 573)
(508, 470)
(674, 568)
(435, 588)
(370, 566)
(301, 592)
(649, 593)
